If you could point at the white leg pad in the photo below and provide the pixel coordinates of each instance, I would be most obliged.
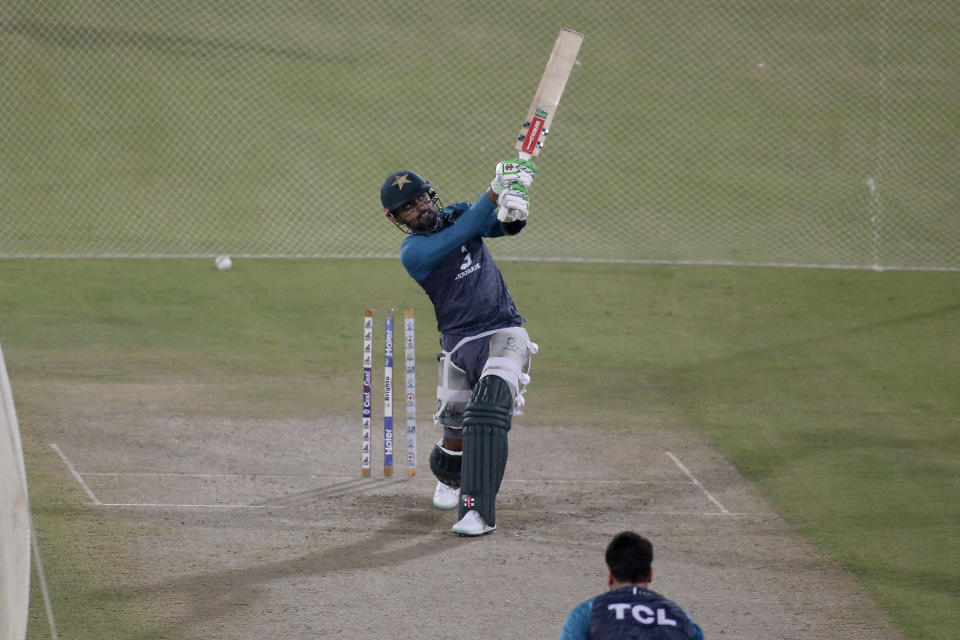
(453, 393)
(510, 358)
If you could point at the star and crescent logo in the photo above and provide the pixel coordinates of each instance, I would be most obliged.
(401, 180)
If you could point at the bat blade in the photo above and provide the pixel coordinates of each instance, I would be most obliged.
(543, 108)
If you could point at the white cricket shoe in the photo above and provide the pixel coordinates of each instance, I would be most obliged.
(472, 524)
(445, 496)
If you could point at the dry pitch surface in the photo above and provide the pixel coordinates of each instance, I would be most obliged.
(262, 528)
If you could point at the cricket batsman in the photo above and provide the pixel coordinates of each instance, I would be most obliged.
(484, 361)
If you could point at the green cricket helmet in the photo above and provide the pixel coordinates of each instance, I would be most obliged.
(402, 187)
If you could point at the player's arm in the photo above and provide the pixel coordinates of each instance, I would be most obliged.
(513, 226)
(697, 631)
(420, 254)
(577, 624)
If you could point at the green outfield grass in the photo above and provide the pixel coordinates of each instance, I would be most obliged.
(834, 391)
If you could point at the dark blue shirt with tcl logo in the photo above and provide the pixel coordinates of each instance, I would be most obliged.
(456, 270)
(630, 613)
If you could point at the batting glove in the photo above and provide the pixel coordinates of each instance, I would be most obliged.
(514, 204)
(511, 172)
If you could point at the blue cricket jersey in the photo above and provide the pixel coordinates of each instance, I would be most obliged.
(630, 613)
(457, 272)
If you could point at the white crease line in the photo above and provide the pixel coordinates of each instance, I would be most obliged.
(76, 475)
(79, 478)
(161, 505)
(575, 482)
(43, 584)
(196, 506)
(676, 461)
(150, 505)
(255, 476)
(158, 474)
(669, 513)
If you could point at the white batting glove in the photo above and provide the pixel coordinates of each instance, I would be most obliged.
(514, 204)
(511, 172)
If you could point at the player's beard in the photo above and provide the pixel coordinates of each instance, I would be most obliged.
(426, 221)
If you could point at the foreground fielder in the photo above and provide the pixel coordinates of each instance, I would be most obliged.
(485, 355)
(629, 609)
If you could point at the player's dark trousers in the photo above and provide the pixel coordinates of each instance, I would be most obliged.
(486, 421)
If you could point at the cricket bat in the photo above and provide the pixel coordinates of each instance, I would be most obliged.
(543, 108)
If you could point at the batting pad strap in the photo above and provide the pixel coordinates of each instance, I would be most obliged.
(519, 332)
(446, 395)
(452, 432)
